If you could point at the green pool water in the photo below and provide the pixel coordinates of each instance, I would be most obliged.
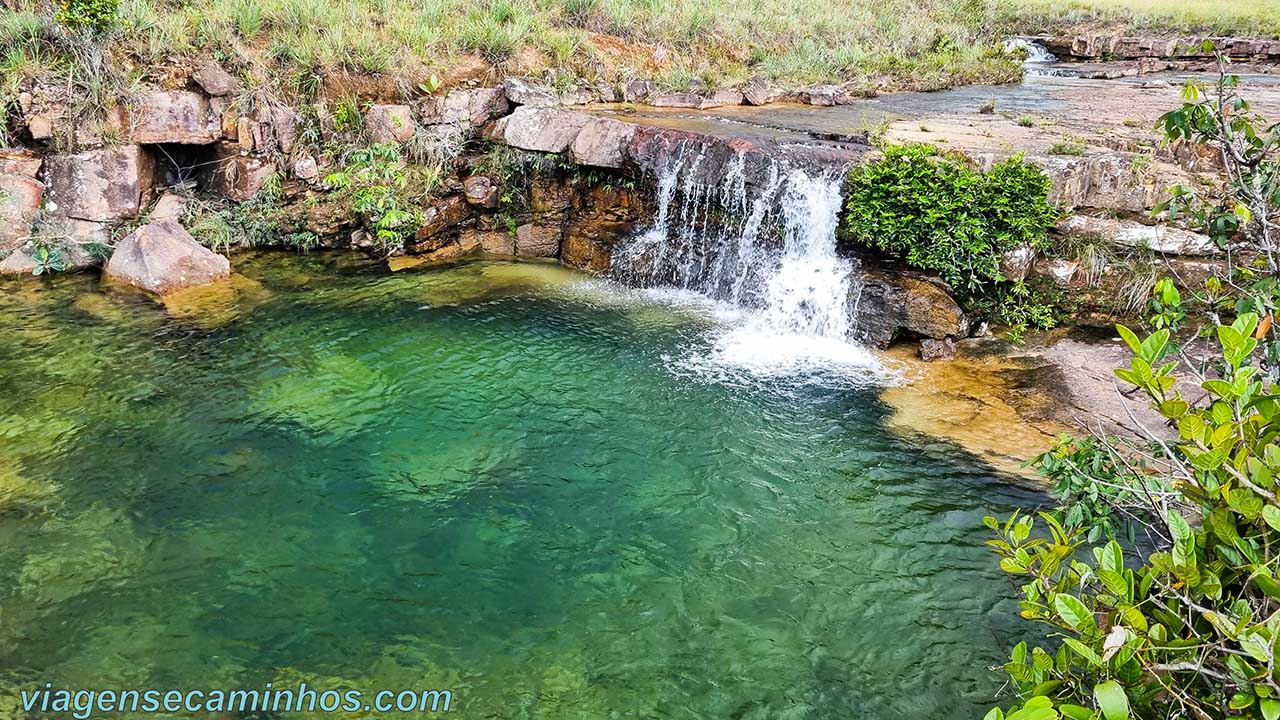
(488, 479)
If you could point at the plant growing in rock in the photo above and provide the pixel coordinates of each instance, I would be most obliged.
(1191, 630)
(382, 190)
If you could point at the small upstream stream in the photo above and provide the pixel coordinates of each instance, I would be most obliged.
(499, 479)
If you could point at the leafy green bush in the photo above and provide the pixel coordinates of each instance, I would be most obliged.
(384, 191)
(931, 210)
(1191, 631)
(95, 15)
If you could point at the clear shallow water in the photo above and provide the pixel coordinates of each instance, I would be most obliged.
(492, 479)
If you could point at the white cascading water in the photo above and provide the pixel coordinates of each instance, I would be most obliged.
(766, 253)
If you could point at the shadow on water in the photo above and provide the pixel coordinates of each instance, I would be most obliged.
(487, 479)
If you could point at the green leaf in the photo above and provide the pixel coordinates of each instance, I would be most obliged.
(1074, 612)
(1271, 514)
(1130, 339)
(1270, 708)
(1084, 651)
(1111, 700)
(1075, 712)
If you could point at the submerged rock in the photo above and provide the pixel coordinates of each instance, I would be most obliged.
(162, 257)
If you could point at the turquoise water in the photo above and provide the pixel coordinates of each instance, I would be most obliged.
(487, 479)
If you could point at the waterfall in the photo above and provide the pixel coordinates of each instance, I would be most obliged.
(762, 243)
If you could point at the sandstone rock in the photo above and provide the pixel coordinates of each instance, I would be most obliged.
(538, 241)
(481, 191)
(214, 80)
(826, 95)
(440, 217)
(606, 92)
(757, 91)
(170, 206)
(492, 242)
(235, 175)
(1060, 271)
(102, 185)
(474, 107)
(931, 350)
(891, 304)
(1016, 263)
(390, 123)
(676, 100)
(635, 91)
(720, 98)
(82, 233)
(549, 195)
(19, 262)
(1130, 234)
(20, 163)
(589, 242)
(578, 96)
(40, 127)
(523, 92)
(19, 204)
(542, 129)
(179, 117)
(305, 168)
(603, 142)
(162, 257)
(465, 244)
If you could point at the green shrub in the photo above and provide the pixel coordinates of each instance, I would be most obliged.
(383, 190)
(1190, 630)
(932, 211)
(95, 15)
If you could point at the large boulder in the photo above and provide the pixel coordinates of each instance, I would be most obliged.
(890, 305)
(100, 185)
(634, 91)
(442, 216)
(542, 129)
(473, 107)
(162, 257)
(1129, 234)
(757, 91)
(180, 117)
(214, 80)
(603, 142)
(19, 203)
(523, 92)
(390, 123)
